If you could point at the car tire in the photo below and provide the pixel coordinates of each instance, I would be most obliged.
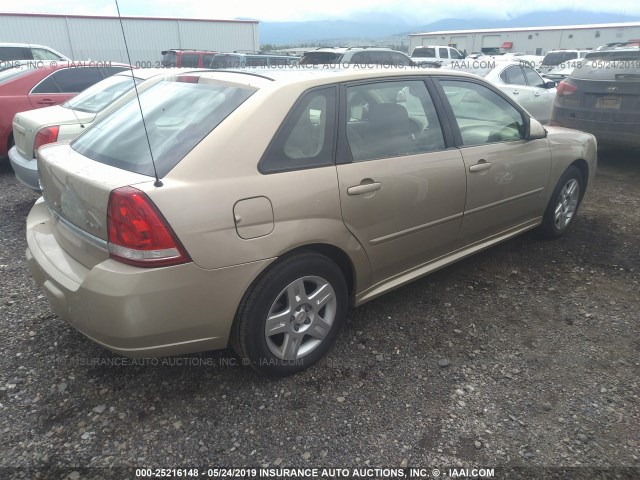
(563, 204)
(290, 316)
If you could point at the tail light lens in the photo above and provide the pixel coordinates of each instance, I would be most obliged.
(565, 88)
(45, 135)
(138, 233)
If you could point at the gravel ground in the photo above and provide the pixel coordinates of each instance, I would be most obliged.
(526, 355)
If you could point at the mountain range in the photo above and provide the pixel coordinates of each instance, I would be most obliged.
(377, 28)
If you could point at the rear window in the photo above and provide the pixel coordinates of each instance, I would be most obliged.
(424, 52)
(179, 112)
(621, 65)
(94, 99)
(320, 58)
(556, 58)
(168, 59)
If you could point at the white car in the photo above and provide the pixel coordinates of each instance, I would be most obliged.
(35, 128)
(519, 81)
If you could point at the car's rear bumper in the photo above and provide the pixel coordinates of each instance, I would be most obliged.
(609, 134)
(26, 169)
(137, 312)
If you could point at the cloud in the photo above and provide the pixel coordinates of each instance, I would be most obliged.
(416, 11)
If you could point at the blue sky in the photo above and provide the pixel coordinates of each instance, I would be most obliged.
(296, 10)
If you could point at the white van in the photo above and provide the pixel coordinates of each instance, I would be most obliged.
(441, 54)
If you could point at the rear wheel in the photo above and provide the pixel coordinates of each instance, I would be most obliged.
(290, 317)
(563, 204)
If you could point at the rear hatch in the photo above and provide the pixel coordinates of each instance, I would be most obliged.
(607, 88)
(79, 179)
(77, 191)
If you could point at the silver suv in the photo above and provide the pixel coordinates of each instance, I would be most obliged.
(359, 56)
(27, 51)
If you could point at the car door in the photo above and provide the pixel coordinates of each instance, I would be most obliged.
(507, 174)
(542, 95)
(402, 191)
(515, 86)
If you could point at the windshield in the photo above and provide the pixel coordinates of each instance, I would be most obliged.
(95, 98)
(319, 58)
(178, 112)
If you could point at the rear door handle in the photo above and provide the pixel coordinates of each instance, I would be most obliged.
(46, 101)
(516, 92)
(480, 166)
(368, 187)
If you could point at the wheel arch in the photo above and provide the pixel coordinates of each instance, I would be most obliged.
(583, 166)
(335, 254)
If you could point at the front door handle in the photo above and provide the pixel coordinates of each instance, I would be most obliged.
(46, 101)
(480, 166)
(516, 92)
(366, 186)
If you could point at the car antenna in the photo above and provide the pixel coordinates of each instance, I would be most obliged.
(157, 183)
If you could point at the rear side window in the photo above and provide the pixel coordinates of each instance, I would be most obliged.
(69, 80)
(307, 136)
(443, 52)
(513, 76)
(319, 58)
(189, 60)
(178, 114)
(391, 119)
(44, 54)
(228, 61)
(424, 52)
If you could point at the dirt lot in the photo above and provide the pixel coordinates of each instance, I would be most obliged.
(526, 355)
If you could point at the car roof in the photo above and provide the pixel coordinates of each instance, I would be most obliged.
(145, 73)
(316, 74)
(7, 44)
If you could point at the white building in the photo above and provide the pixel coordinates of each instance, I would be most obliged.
(83, 37)
(530, 40)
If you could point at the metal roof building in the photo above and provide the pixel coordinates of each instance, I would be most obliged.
(83, 37)
(530, 40)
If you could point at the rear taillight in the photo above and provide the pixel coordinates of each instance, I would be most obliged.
(45, 135)
(138, 233)
(188, 79)
(565, 88)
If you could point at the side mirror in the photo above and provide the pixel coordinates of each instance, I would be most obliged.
(536, 130)
(549, 84)
(401, 97)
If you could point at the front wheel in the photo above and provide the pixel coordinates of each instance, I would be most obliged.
(290, 317)
(563, 204)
